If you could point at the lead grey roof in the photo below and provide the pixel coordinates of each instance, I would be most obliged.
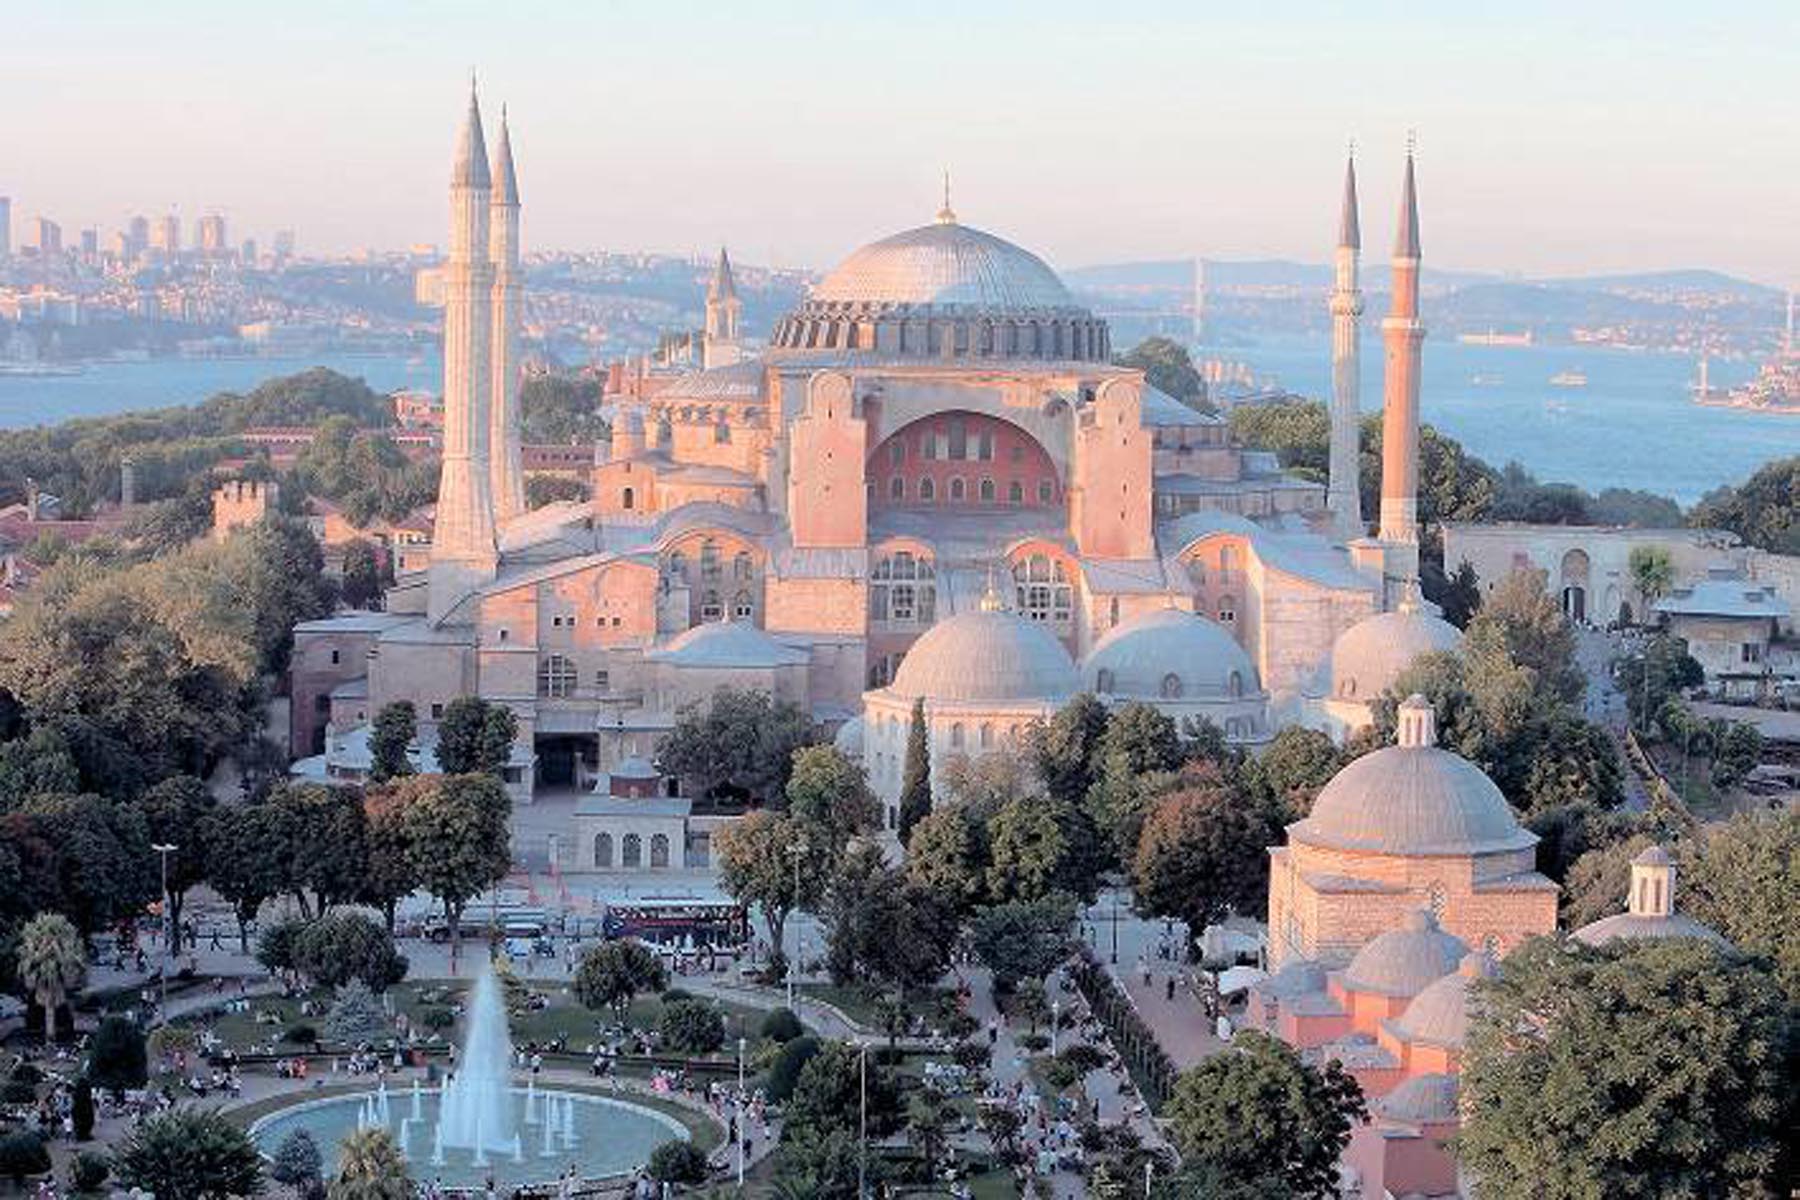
(1140, 654)
(1423, 1099)
(738, 381)
(735, 645)
(1412, 800)
(1631, 925)
(945, 264)
(1404, 961)
(987, 656)
(1721, 595)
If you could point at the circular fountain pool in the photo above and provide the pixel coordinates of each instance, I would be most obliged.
(600, 1135)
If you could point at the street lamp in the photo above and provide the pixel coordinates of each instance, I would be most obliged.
(740, 1111)
(1115, 925)
(1055, 1021)
(862, 1126)
(796, 851)
(165, 849)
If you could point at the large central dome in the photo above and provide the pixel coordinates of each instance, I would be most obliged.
(945, 264)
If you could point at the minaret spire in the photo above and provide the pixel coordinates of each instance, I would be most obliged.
(1403, 333)
(720, 347)
(1344, 495)
(507, 470)
(946, 215)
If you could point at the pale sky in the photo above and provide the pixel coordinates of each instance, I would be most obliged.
(1554, 137)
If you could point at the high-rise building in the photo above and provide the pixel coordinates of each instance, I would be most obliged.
(284, 244)
(137, 235)
(90, 243)
(46, 235)
(166, 236)
(5, 226)
(247, 255)
(210, 234)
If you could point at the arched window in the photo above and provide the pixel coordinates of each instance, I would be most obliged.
(721, 431)
(632, 851)
(1112, 612)
(709, 559)
(1171, 686)
(627, 499)
(741, 566)
(987, 491)
(927, 490)
(1103, 680)
(1434, 899)
(1046, 491)
(659, 850)
(1234, 684)
(896, 488)
(958, 489)
(1043, 589)
(741, 607)
(901, 589)
(676, 571)
(956, 736)
(1226, 554)
(986, 736)
(1015, 492)
(1227, 609)
(710, 607)
(603, 850)
(556, 677)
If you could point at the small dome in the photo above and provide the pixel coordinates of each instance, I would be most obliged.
(1170, 655)
(945, 264)
(1415, 799)
(1439, 1015)
(849, 739)
(984, 657)
(1421, 1100)
(1367, 657)
(1652, 856)
(1404, 961)
(634, 767)
(1632, 925)
(729, 645)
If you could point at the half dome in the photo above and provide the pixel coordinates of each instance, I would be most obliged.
(1404, 961)
(1421, 1100)
(987, 657)
(945, 264)
(1169, 654)
(1439, 1015)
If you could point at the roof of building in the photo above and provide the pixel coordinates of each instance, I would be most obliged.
(1406, 238)
(849, 739)
(633, 767)
(1169, 654)
(593, 805)
(1367, 657)
(1349, 227)
(1634, 925)
(1305, 556)
(355, 622)
(1725, 594)
(945, 263)
(734, 645)
(1162, 409)
(738, 381)
(1404, 961)
(985, 656)
(1439, 1015)
(1421, 1100)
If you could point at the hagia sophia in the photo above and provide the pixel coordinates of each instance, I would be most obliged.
(933, 484)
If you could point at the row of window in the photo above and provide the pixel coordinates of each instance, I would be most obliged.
(986, 491)
(1172, 687)
(952, 444)
(675, 566)
(631, 850)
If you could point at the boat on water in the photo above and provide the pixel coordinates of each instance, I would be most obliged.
(1486, 379)
(1494, 337)
(1569, 379)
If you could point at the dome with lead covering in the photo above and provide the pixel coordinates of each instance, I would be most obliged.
(1367, 657)
(1421, 1100)
(1439, 1015)
(989, 656)
(1405, 961)
(1169, 654)
(945, 263)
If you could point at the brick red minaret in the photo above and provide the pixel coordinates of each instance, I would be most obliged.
(1402, 333)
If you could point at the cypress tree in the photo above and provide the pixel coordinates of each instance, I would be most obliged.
(915, 780)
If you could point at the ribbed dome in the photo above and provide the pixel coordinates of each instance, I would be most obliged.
(1169, 654)
(1421, 1100)
(1634, 925)
(1439, 1015)
(944, 264)
(1404, 961)
(987, 656)
(1369, 656)
(1412, 799)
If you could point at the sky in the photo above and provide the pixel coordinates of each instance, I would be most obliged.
(1553, 138)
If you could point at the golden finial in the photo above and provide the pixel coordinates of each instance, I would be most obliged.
(946, 215)
(1412, 142)
(991, 600)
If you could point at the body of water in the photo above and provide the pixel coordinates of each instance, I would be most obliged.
(1632, 426)
(105, 389)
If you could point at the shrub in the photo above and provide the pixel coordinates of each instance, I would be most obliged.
(692, 1027)
(1034, 1042)
(342, 946)
(296, 1160)
(678, 1162)
(1085, 1058)
(301, 1035)
(1061, 1074)
(356, 1016)
(437, 1018)
(17, 1091)
(676, 995)
(22, 1154)
(781, 1025)
(275, 948)
(88, 1170)
(28, 1073)
(786, 1071)
(81, 1109)
(972, 1056)
(117, 1059)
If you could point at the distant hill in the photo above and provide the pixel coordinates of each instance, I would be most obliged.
(1698, 279)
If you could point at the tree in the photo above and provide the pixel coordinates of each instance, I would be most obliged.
(1140, 739)
(116, 1057)
(390, 874)
(770, 860)
(781, 1025)
(692, 1027)
(740, 744)
(1652, 575)
(356, 1017)
(362, 574)
(1763, 510)
(1692, 1097)
(1598, 880)
(23, 1153)
(1737, 749)
(297, 1162)
(828, 1096)
(189, 1154)
(325, 842)
(370, 1167)
(612, 974)
(476, 737)
(541, 490)
(678, 1162)
(460, 841)
(1459, 594)
(561, 411)
(277, 572)
(247, 842)
(396, 726)
(103, 860)
(81, 1109)
(948, 854)
(829, 794)
(176, 812)
(50, 963)
(1065, 749)
(1536, 633)
(1026, 849)
(1742, 877)
(1023, 939)
(1168, 369)
(915, 774)
(341, 946)
(1258, 1110)
(514, 992)
(784, 1073)
(889, 931)
(1203, 854)
(1287, 776)
(1663, 669)
(928, 1122)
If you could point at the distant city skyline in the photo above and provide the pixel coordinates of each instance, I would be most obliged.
(1616, 138)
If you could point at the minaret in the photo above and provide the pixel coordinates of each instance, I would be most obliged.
(463, 548)
(1402, 333)
(1345, 496)
(721, 348)
(506, 472)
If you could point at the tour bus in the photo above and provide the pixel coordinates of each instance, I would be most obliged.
(514, 921)
(678, 922)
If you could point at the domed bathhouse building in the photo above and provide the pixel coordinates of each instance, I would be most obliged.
(1649, 907)
(939, 420)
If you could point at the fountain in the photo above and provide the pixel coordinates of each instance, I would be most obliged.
(475, 1111)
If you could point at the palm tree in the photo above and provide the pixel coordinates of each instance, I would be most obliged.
(370, 1168)
(51, 964)
(1652, 573)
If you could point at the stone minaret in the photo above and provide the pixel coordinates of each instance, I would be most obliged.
(507, 473)
(721, 349)
(1402, 333)
(464, 552)
(1345, 497)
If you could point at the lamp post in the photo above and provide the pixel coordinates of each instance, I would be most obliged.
(1115, 925)
(164, 849)
(862, 1125)
(796, 851)
(1055, 1023)
(740, 1113)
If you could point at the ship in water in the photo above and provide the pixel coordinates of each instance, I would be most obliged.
(1494, 337)
(1776, 388)
(1569, 379)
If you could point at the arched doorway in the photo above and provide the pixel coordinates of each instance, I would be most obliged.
(1575, 569)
